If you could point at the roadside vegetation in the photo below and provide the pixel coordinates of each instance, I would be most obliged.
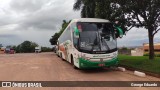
(46, 49)
(28, 47)
(54, 38)
(140, 63)
(156, 55)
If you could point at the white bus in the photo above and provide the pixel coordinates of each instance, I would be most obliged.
(89, 43)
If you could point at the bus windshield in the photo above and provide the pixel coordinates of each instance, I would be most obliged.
(96, 37)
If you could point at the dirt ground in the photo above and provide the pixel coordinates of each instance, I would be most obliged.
(49, 67)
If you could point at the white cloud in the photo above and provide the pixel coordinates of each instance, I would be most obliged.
(136, 37)
(34, 20)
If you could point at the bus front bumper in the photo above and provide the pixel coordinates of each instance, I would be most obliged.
(84, 64)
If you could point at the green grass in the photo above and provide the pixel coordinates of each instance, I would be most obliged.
(141, 62)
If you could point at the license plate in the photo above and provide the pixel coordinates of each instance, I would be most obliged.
(101, 65)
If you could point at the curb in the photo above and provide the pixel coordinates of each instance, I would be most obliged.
(121, 69)
(141, 74)
(146, 72)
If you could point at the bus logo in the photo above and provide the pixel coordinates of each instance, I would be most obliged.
(101, 60)
(6, 84)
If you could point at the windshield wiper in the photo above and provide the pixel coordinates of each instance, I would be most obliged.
(106, 44)
(96, 42)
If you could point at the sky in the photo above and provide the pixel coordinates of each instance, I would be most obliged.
(38, 20)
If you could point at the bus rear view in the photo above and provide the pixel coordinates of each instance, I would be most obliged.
(93, 44)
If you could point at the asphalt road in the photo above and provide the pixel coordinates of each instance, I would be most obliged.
(49, 67)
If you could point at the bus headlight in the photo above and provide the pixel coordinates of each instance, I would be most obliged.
(114, 55)
(87, 58)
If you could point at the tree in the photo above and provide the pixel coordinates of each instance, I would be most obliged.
(1, 45)
(101, 9)
(18, 49)
(46, 49)
(130, 13)
(26, 47)
(124, 48)
(55, 37)
(88, 7)
(144, 14)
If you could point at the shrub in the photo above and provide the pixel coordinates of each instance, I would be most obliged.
(157, 55)
(146, 54)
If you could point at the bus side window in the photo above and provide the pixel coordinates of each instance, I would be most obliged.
(75, 40)
(68, 33)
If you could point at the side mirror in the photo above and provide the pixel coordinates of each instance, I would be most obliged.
(119, 32)
(76, 32)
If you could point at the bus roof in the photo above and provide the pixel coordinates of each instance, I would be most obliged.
(90, 20)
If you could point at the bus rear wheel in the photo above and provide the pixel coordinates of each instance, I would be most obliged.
(61, 57)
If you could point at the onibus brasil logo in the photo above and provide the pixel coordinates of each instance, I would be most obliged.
(21, 84)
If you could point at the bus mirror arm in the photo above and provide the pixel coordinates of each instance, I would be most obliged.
(119, 31)
(76, 32)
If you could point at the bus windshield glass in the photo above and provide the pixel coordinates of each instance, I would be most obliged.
(96, 37)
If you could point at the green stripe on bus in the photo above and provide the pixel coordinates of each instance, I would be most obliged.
(90, 64)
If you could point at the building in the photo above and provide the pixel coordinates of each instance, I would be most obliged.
(156, 48)
(137, 51)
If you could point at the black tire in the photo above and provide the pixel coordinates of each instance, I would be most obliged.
(61, 57)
